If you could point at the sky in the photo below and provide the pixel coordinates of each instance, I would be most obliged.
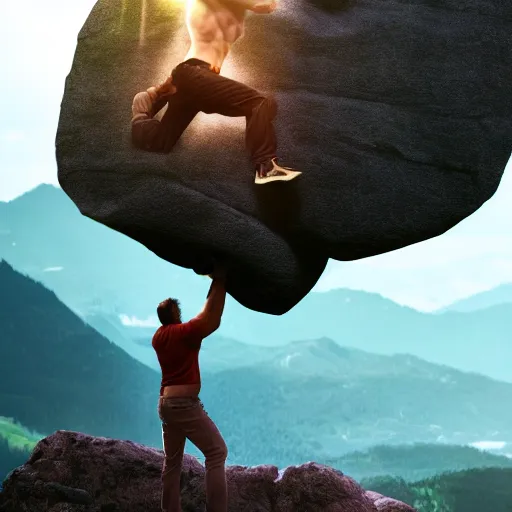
(38, 41)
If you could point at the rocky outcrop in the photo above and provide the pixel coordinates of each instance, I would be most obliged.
(397, 112)
(74, 472)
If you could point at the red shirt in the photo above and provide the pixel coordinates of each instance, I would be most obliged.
(177, 348)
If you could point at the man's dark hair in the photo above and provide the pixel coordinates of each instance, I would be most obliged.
(169, 311)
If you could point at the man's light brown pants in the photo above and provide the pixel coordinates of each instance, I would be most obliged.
(184, 418)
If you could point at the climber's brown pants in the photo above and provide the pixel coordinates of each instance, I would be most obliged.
(201, 89)
(185, 418)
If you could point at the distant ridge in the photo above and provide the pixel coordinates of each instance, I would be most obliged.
(494, 297)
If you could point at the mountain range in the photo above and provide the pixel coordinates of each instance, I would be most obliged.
(102, 275)
(473, 490)
(57, 372)
(88, 265)
(298, 401)
(496, 296)
(473, 342)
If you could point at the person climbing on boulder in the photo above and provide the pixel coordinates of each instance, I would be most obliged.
(181, 412)
(196, 85)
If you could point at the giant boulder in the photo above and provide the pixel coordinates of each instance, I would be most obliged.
(74, 472)
(397, 112)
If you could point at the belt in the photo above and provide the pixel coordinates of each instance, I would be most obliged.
(194, 398)
(198, 63)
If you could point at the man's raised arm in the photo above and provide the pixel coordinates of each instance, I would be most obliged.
(209, 318)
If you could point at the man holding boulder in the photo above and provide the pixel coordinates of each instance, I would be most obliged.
(195, 85)
(177, 345)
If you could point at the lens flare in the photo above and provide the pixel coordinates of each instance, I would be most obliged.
(143, 18)
(175, 52)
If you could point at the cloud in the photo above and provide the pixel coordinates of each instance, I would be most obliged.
(489, 445)
(133, 321)
(53, 269)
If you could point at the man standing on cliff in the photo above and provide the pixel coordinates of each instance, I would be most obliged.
(182, 414)
(195, 85)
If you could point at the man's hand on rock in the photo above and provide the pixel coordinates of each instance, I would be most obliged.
(142, 104)
(219, 272)
(165, 88)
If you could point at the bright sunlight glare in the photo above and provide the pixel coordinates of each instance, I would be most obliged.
(231, 68)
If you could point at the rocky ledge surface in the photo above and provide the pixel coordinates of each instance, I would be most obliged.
(74, 472)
